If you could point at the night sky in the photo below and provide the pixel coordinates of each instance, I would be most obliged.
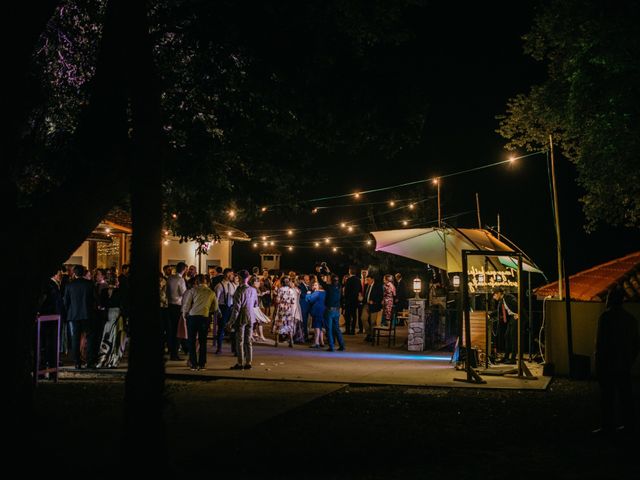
(474, 61)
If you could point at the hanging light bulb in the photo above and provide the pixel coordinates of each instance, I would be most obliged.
(166, 232)
(335, 249)
(315, 210)
(350, 229)
(265, 244)
(108, 230)
(229, 233)
(264, 237)
(255, 245)
(326, 240)
(343, 225)
(392, 203)
(174, 215)
(316, 244)
(232, 213)
(405, 223)
(263, 209)
(368, 242)
(166, 242)
(436, 181)
(411, 206)
(290, 232)
(356, 195)
(290, 248)
(272, 243)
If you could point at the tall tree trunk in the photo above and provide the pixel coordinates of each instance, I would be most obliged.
(144, 395)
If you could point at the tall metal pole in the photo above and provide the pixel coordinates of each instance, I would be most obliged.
(478, 209)
(439, 212)
(498, 226)
(557, 217)
(520, 370)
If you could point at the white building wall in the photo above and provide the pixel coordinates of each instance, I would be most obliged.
(81, 255)
(219, 254)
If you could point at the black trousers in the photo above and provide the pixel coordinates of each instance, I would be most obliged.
(197, 326)
(89, 327)
(350, 317)
(174, 318)
(511, 339)
(360, 326)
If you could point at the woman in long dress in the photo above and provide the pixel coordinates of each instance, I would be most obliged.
(284, 321)
(261, 317)
(114, 336)
(298, 336)
(388, 299)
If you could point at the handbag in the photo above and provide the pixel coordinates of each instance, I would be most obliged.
(182, 328)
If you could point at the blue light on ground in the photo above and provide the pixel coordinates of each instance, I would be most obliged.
(365, 355)
(389, 356)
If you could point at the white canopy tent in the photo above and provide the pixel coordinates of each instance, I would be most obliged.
(442, 247)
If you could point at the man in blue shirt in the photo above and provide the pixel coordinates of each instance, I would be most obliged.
(332, 313)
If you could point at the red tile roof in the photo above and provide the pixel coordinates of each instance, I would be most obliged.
(592, 285)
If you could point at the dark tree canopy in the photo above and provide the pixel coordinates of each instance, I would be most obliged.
(590, 102)
(251, 94)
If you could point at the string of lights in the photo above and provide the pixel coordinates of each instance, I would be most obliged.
(330, 241)
(350, 225)
(434, 179)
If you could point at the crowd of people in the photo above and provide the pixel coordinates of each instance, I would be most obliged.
(293, 308)
(94, 308)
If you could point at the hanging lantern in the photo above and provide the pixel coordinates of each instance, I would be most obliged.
(417, 286)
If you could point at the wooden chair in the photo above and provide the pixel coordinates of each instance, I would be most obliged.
(385, 331)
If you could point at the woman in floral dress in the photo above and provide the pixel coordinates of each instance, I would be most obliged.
(388, 299)
(285, 321)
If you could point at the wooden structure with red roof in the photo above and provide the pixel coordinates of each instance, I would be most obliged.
(593, 284)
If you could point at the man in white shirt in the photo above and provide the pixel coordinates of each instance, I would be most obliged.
(176, 287)
(225, 290)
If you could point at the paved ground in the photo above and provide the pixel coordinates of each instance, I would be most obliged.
(274, 429)
(361, 363)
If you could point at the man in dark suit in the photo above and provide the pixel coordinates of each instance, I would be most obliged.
(507, 314)
(401, 293)
(80, 305)
(352, 296)
(372, 306)
(51, 305)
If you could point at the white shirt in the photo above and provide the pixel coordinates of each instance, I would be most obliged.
(225, 291)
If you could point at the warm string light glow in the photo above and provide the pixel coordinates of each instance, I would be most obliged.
(395, 205)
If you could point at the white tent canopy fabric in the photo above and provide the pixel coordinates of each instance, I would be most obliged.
(442, 247)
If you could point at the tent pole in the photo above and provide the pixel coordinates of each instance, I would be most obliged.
(478, 210)
(472, 375)
(523, 370)
(439, 211)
